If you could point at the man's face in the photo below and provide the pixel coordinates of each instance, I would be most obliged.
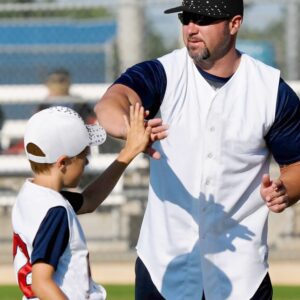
(205, 38)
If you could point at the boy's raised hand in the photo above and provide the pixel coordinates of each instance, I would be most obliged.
(138, 135)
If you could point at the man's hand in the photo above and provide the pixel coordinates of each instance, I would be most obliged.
(274, 194)
(158, 132)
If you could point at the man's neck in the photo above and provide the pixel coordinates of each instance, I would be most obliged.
(223, 67)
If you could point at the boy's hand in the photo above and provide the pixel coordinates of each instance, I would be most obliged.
(138, 134)
(274, 194)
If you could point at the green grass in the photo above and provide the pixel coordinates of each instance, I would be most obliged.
(126, 292)
(286, 292)
(10, 292)
(114, 292)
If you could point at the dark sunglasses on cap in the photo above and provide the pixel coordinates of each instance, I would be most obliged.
(185, 19)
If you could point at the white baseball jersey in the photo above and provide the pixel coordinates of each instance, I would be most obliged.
(205, 225)
(72, 274)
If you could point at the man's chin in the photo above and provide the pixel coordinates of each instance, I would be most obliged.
(198, 57)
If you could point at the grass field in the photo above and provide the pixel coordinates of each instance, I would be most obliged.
(126, 292)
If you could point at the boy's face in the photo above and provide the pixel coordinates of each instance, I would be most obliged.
(75, 169)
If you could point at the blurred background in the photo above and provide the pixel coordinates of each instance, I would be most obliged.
(69, 52)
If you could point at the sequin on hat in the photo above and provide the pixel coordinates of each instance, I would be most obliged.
(218, 9)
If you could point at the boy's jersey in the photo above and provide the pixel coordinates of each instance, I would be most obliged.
(72, 273)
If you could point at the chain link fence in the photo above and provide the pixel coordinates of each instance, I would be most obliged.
(94, 42)
(97, 40)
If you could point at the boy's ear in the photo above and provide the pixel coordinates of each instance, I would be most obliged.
(62, 161)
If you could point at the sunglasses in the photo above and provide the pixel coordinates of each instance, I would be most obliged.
(185, 19)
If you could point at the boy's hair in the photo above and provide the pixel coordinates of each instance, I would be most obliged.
(37, 168)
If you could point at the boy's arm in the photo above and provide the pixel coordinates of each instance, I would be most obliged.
(43, 285)
(138, 138)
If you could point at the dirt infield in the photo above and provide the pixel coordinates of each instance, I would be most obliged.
(285, 273)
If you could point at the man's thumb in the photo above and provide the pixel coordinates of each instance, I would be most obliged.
(266, 181)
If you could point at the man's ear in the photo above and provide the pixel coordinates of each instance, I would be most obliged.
(235, 23)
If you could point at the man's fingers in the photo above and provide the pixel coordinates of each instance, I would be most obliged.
(146, 113)
(154, 122)
(277, 185)
(266, 182)
(160, 128)
(276, 194)
(278, 208)
(278, 200)
(152, 153)
(158, 136)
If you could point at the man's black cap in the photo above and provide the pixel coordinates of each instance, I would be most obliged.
(218, 9)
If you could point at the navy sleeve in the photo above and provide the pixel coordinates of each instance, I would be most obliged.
(75, 199)
(283, 139)
(148, 79)
(52, 237)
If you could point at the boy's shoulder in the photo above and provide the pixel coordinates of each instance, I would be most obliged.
(39, 197)
(32, 205)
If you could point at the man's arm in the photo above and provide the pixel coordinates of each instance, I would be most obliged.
(284, 191)
(113, 106)
(290, 177)
(144, 83)
(283, 140)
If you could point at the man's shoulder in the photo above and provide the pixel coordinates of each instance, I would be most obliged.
(175, 62)
(250, 59)
(175, 54)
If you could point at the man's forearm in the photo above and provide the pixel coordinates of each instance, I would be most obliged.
(290, 176)
(110, 116)
(112, 107)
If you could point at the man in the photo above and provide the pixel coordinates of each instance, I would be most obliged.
(204, 233)
(58, 83)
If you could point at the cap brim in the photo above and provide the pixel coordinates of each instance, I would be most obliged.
(174, 10)
(191, 10)
(185, 9)
(97, 134)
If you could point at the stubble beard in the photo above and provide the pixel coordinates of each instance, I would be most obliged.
(199, 57)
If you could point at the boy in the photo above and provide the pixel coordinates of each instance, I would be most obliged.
(49, 247)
